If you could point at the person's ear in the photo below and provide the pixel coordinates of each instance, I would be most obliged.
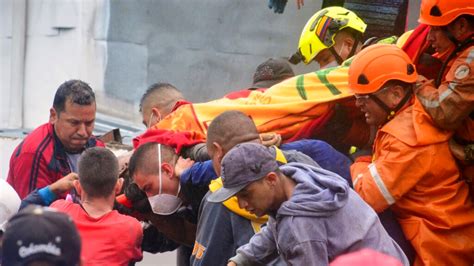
(53, 115)
(167, 170)
(219, 151)
(77, 186)
(156, 112)
(118, 186)
(349, 43)
(396, 95)
(271, 178)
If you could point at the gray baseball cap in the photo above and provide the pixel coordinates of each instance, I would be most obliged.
(242, 165)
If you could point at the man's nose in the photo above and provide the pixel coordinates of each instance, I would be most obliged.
(242, 203)
(430, 37)
(82, 131)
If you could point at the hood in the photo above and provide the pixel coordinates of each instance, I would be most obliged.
(318, 192)
(414, 127)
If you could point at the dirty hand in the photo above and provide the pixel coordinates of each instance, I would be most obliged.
(270, 139)
(64, 184)
(457, 150)
(182, 165)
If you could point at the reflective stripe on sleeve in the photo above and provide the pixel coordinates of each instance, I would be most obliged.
(380, 184)
(433, 104)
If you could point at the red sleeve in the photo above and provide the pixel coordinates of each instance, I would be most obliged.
(26, 174)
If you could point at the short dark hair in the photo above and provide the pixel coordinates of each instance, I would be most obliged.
(231, 128)
(168, 95)
(141, 160)
(77, 91)
(98, 172)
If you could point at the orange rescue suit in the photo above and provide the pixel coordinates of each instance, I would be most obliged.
(414, 173)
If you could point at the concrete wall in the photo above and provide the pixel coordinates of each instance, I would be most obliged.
(206, 48)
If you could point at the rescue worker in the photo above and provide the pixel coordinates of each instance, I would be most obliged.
(411, 170)
(330, 36)
(450, 99)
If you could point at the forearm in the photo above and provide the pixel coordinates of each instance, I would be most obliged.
(261, 249)
(174, 228)
(43, 197)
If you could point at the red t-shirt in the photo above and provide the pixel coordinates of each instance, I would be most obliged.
(113, 239)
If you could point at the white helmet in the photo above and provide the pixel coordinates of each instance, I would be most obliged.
(9, 203)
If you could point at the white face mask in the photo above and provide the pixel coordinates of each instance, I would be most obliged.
(164, 204)
(332, 64)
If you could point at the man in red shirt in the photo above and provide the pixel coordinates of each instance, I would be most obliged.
(108, 237)
(51, 151)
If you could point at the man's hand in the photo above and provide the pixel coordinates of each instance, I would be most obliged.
(270, 139)
(457, 150)
(64, 184)
(231, 263)
(182, 165)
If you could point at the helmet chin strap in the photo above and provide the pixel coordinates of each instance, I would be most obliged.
(460, 46)
(391, 112)
(336, 55)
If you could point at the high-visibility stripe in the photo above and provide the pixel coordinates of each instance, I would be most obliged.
(380, 184)
(359, 176)
(470, 57)
(435, 103)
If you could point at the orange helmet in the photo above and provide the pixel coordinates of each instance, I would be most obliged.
(443, 12)
(375, 65)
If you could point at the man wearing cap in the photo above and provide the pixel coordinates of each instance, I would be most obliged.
(314, 215)
(412, 170)
(267, 74)
(41, 236)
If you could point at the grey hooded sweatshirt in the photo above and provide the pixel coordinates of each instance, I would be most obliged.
(323, 219)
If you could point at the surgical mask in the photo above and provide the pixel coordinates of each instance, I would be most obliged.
(332, 64)
(164, 204)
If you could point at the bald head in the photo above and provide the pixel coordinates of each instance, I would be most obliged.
(145, 158)
(160, 96)
(231, 128)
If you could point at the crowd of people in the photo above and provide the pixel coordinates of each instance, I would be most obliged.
(384, 179)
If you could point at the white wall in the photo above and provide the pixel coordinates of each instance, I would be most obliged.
(7, 145)
(65, 40)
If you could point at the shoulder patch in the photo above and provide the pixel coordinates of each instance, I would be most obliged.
(462, 72)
